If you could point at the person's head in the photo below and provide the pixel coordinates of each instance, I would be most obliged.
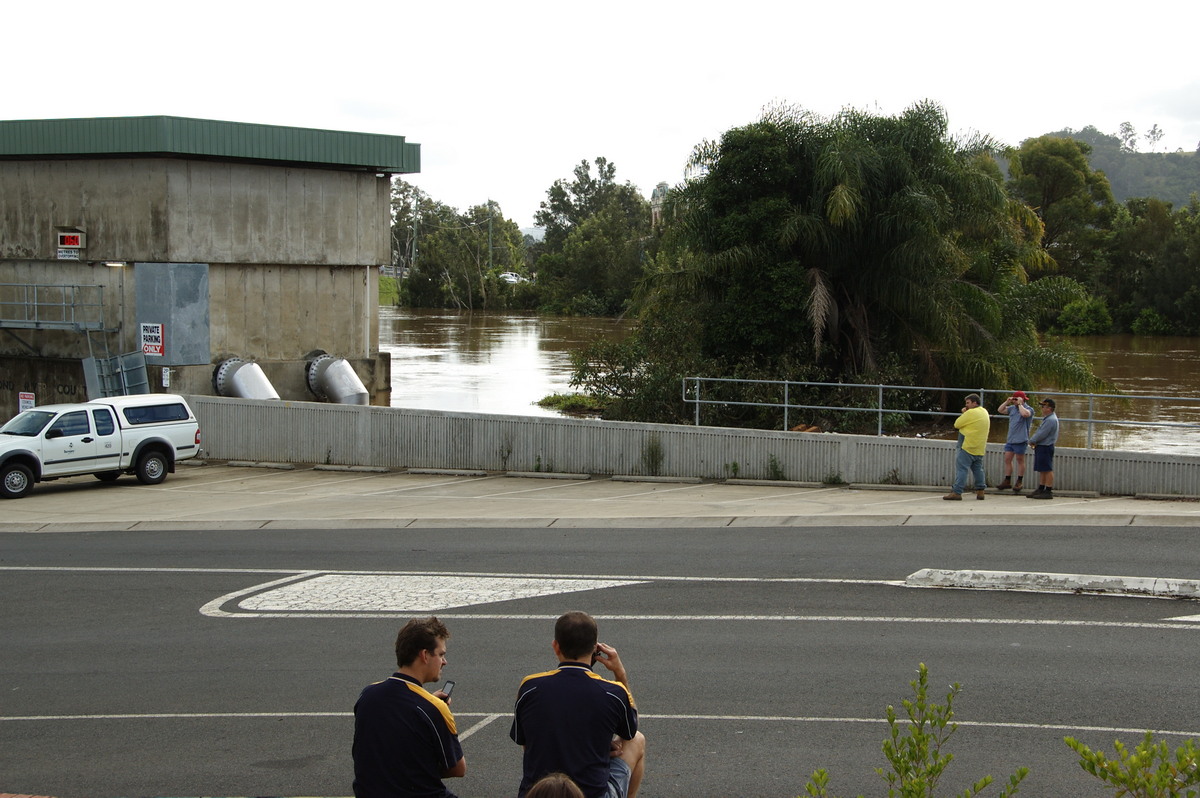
(576, 635)
(421, 648)
(1019, 395)
(555, 785)
(972, 400)
(1047, 406)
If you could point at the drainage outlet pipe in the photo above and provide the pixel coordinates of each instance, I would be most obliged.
(332, 379)
(242, 379)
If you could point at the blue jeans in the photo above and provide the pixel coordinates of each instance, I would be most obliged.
(964, 462)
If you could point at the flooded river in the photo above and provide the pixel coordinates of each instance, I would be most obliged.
(505, 363)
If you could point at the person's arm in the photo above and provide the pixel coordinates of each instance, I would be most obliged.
(607, 656)
(1004, 405)
(458, 771)
(1024, 410)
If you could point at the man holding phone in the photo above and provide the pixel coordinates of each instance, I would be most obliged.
(571, 720)
(405, 739)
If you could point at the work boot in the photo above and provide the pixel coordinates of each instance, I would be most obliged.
(1034, 495)
(953, 497)
(1042, 493)
(1005, 485)
(1017, 488)
(979, 494)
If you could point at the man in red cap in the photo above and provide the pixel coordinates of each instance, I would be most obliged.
(1020, 419)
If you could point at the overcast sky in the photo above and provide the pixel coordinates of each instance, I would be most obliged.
(505, 98)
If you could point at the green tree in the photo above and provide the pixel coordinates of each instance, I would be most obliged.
(453, 259)
(1151, 267)
(1052, 175)
(596, 241)
(856, 248)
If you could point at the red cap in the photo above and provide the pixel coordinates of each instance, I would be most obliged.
(1020, 395)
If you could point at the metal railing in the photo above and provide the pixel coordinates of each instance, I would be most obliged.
(692, 393)
(34, 306)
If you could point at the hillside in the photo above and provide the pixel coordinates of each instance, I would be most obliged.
(1169, 176)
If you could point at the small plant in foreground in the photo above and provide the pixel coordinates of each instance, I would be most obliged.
(915, 749)
(1146, 772)
(834, 478)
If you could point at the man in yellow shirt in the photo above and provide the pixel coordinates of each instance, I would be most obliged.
(972, 426)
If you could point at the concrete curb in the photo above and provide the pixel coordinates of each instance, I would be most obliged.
(1055, 583)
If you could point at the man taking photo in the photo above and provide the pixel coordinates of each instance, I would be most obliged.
(573, 721)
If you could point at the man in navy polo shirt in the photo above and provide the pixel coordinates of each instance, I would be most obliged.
(405, 739)
(574, 721)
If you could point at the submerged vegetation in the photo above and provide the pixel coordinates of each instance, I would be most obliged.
(858, 248)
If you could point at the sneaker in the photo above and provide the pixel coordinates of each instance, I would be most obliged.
(953, 497)
(979, 494)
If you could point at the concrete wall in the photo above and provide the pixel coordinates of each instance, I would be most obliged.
(293, 257)
(174, 210)
(302, 432)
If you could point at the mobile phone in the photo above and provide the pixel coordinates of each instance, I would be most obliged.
(595, 655)
(447, 688)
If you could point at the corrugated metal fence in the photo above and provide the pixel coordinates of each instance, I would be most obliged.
(391, 437)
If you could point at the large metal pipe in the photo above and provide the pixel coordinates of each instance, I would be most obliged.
(332, 379)
(242, 379)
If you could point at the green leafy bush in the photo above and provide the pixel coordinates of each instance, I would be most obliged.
(1151, 322)
(1085, 317)
(1148, 771)
(914, 749)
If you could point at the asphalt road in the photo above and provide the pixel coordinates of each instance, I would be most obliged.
(226, 662)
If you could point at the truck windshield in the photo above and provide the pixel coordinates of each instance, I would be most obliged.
(29, 423)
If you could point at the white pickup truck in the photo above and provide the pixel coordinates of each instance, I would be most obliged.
(142, 435)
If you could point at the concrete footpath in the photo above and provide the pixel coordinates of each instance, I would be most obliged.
(279, 496)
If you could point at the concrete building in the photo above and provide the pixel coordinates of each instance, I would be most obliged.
(193, 244)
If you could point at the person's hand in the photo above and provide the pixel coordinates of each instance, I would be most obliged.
(616, 746)
(607, 656)
(443, 696)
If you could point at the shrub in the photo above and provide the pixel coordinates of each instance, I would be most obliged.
(914, 750)
(1146, 772)
(1085, 317)
(1151, 322)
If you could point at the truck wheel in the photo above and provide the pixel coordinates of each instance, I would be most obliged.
(108, 476)
(151, 468)
(16, 481)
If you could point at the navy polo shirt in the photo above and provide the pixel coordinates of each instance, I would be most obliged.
(566, 719)
(404, 739)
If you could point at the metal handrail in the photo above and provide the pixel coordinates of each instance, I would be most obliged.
(696, 399)
(59, 307)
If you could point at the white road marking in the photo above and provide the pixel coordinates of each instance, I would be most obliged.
(487, 719)
(591, 582)
(490, 717)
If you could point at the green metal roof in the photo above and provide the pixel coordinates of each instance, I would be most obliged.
(173, 136)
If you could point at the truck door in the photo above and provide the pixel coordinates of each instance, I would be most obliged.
(108, 439)
(69, 446)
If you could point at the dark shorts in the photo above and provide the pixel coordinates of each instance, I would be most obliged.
(1043, 458)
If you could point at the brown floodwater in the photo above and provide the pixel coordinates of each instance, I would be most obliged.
(505, 363)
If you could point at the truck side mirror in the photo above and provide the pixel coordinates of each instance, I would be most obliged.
(54, 433)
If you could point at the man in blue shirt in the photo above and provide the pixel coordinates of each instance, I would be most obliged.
(1020, 419)
(405, 739)
(573, 721)
(1043, 442)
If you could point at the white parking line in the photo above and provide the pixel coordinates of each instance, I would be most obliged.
(487, 718)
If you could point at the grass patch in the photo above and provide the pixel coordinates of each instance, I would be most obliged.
(575, 404)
